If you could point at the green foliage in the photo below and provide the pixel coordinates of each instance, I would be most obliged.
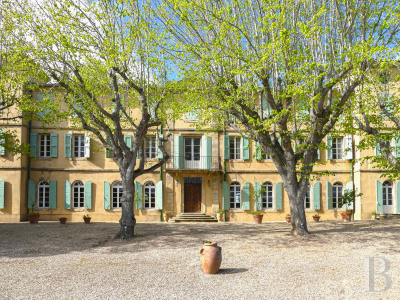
(256, 213)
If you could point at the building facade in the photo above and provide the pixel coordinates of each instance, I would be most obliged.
(70, 174)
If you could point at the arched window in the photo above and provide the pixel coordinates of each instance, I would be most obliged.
(117, 191)
(78, 190)
(149, 195)
(307, 198)
(43, 195)
(267, 201)
(337, 194)
(387, 193)
(234, 196)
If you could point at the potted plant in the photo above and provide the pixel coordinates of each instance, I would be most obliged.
(220, 213)
(316, 217)
(33, 216)
(257, 217)
(374, 216)
(63, 220)
(87, 219)
(347, 198)
(167, 213)
(288, 218)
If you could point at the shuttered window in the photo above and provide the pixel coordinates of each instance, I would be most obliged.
(150, 147)
(44, 145)
(235, 195)
(337, 193)
(234, 147)
(307, 198)
(267, 198)
(117, 192)
(79, 146)
(43, 195)
(387, 193)
(78, 194)
(337, 148)
(149, 195)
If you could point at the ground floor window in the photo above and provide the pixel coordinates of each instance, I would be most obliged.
(78, 195)
(149, 195)
(234, 196)
(337, 194)
(387, 190)
(117, 191)
(43, 195)
(267, 196)
(307, 198)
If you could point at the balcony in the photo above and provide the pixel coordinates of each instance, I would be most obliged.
(200, 163)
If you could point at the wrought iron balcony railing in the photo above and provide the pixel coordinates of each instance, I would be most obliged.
(194, 163)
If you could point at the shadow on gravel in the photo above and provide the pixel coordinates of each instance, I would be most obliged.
(231, 271)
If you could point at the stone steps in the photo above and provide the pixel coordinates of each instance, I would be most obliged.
(193, 217)
(390, 216)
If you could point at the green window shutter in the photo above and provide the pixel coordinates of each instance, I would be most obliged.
(258, 151)
(329, 147)
(2, 142)
(278, 195)
(377, 149)
(245, 149)
(1, 193)
(317, 195)
(31, 193)
(178, 152)
(398, 196)
(329, 195)
(379, 197)
(138, 195)
(159, 152)
(33, 142)
(225, 195)
(279, 140)
(88, 194)
(139, 152)
(318, 154)
(226, 146)
(67, 195)
(206, 147)
(107, 192)
(246, 196)
(159, 195)
(349, 188)
(67, 145)
(128, 140)
(87, 146)
(53, 194)
(54, 145)
(397, 147)
(257, 200)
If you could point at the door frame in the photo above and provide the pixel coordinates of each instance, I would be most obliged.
(203, 191)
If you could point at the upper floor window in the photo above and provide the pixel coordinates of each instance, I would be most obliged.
(266, 198)
(337, 193)
(79, 145)
(44, 145)
(78, 195)
(235, 195)
(150, 147)
(337, 148)
(387, 189)
(149, 195)
(43, 195)
(307, 198)
(234, 147)
(117, 192)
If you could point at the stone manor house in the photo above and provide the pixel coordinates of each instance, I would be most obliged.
(70, 174)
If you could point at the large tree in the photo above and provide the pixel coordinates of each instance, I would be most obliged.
(111, 74)
(279, 70)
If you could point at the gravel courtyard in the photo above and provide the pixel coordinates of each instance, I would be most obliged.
(78, 261)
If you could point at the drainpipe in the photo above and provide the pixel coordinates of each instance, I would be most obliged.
(161, 128)
(352, 173)
(224, 172)
(28, 172)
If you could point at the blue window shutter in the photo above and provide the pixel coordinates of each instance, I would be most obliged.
(278, 195)
(2, 142)
(226, 146)
(245, 149)
(398, 196)
(225, 195)
(87, 146)
(397, 147)
(128, 140)
(318, 154)
(349, 188)
(329, 147)
(33, 143)
(246, 196)
(317, 195)
(329, 195)
(107, 192)
(379, 197)
(31, 193)
(159, 152)
(257, 192)
(258, 151)
(53, 194)
(2, 193)
(53, 145)
(377, 149)
(178, 152)
(159, 195)
(206, 147)
(88, 194)
(139, 195)
(67, 145)
(67, 195)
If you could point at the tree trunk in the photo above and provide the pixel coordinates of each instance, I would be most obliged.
(127, 221)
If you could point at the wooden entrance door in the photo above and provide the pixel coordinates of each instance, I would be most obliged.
(192, 196)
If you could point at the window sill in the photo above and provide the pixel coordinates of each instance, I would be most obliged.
(78, 158)
(151, 209)
(44, 158)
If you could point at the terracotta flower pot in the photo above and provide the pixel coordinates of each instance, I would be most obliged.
(346, 216)
(87, 220)
(288, 220)
(166, 217)
(210, 258)
(62, 220)
(258, 219)
(316, 219)
(33, 218)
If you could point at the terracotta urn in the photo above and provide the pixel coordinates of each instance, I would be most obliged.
(166, 217)
(316, 218)
(210, 257)
(87, 220)
(33, 218)
(346, 216)
(62, 220)
(258, 219)
(288, 219)
(220, 217)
